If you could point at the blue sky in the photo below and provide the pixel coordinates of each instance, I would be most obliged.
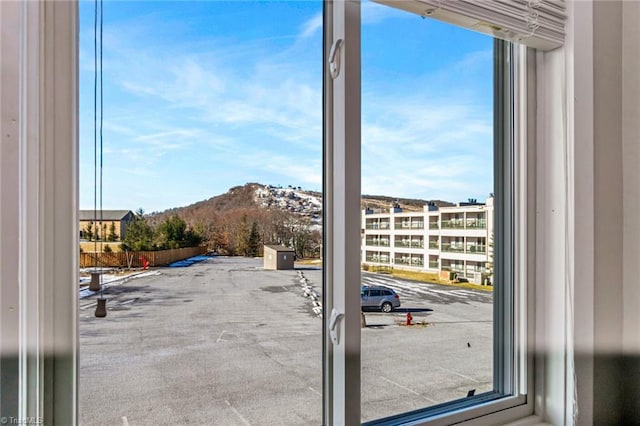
(202, 96)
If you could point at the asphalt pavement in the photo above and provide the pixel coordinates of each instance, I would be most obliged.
(225, 342)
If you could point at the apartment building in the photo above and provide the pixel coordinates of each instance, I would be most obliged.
(446, 240)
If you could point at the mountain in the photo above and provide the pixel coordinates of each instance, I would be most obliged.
(239, 221)
(238, 197)
(290, 199)
(250, 196)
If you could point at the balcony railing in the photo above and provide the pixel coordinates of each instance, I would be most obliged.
(409, 244)
(414, 261)
(433, 225)
(377, 225)
(377, 259)
(453, 224)
(433, 264)
(480, 269)
(458, 248)
(474, 248)
(460, 224)
(453, 268)
(476, 223)
(409, 225)
(434, 245)
(377, 243)
(452, 248)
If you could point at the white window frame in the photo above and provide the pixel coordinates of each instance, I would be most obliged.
(39, 199)
(38, 84)
(513, 365)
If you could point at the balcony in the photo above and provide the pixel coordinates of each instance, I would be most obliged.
(409, 225)
(409, 244)
(453, 224)
(479, 269)
(377, 259)
(377, 225)
(476, 223)
(453, 268)
(453, 248)
(433, 264)
(433, 225)
(377, 242)
(410, 261)
(475, 248)
(461, 224)
(434, 245)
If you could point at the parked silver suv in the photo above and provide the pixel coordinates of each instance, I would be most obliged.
(379, 297)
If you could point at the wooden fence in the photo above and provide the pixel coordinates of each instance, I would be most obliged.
(134, 259)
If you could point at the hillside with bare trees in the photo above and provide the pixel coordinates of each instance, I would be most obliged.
(240, 221)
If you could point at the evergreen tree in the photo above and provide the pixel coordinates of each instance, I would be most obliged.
(112, 232)
(139, 236)
(242, 237)
(172, 233)
(254, 240)
(88, 231)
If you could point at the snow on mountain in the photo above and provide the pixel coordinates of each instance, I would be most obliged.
(291, 199)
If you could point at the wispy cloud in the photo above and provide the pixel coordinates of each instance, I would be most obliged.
(210, 112)
(426, 140)
(375, 13)
(312, 26)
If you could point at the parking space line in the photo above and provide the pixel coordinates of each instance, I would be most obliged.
(315, 391)
(125, 422)
(399, 385)
(90, 305)
(220, 337)
(458, 374)
(237, 413)
(407, 389)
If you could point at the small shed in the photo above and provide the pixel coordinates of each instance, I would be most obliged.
(278, 257)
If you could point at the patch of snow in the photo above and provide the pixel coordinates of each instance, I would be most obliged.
(109, 280)
(291, 199)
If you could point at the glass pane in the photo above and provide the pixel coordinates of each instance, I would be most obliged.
(427, 200)
(212, 151)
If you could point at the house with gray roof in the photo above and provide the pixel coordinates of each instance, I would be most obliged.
(110, 219)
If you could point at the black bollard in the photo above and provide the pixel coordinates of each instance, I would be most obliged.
(95, 281)
(101, 309)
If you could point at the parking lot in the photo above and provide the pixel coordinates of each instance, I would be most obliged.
(225, 342)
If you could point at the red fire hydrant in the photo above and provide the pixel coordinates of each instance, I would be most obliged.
(409, 318)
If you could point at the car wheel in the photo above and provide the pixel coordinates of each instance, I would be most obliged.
(386, 307)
